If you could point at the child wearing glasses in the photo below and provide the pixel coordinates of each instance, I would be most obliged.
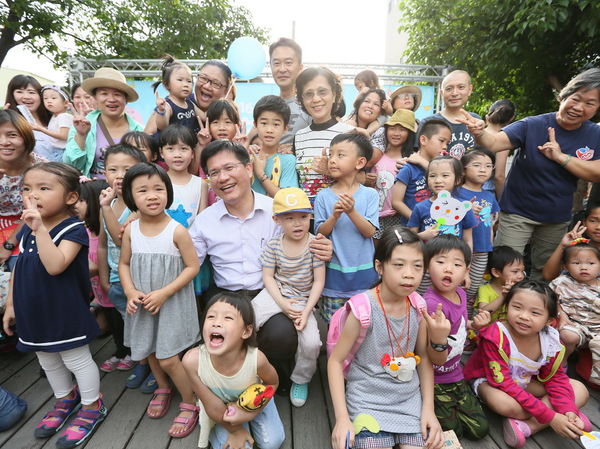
(479, 167)
(319, 92)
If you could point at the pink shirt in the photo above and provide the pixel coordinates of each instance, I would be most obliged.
(386, 176)
(99, 293)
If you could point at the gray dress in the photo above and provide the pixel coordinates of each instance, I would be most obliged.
(155, 263)
(396, 405)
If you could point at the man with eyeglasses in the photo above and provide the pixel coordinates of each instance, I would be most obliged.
(233, 232)
(456, 90)
(286, 64)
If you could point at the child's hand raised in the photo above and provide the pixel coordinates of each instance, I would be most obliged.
(566, 427)
(240, 136)
(507, 286)
(482, 319)
(438, 326)
(162, 107)
(31, 215)
(574, 234)
(204, 137)
(106, 196)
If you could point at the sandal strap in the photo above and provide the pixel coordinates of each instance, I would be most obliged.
(163, 391)
(158, 403)
(58, 413)
(185, 421)
(81, 420)
(184, 407)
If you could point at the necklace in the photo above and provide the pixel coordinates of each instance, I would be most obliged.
(391, 334)
(398, 366)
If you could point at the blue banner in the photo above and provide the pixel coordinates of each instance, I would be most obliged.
(249, 93)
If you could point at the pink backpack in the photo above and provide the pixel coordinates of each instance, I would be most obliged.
(360, 306)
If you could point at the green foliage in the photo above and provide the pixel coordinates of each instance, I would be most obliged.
(132, 29)
(523, 50)
(147, 29)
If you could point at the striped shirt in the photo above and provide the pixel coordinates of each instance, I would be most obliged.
(294, 274)
(309, 142)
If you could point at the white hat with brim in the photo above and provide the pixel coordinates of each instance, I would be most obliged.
(418, 95)
(108, 77)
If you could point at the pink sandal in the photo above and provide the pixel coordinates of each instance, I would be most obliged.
(188, 423)
(164, 403)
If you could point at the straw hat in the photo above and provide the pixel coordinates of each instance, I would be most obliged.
(403, 117)
(408, 90)
(108, 77)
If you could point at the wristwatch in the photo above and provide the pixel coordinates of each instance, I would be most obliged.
(9, 246)
(438, 347)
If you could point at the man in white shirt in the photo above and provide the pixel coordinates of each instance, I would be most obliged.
(233, 232)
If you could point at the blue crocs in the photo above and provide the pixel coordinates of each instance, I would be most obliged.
(298, 394)
(137, 376)
(82, 427)
(149, 385)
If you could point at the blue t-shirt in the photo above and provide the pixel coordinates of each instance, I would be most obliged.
(421, 218)
(462, 140)
(482, 233)
(536, 187)
(413, 177)
(281, 170)
(351, 269)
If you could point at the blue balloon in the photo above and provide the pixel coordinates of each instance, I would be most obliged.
(246, 58)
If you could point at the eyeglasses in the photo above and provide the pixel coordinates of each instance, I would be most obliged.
(202, 79)
(405, 96)
(227, 169)
(477, 166)
(321, 92)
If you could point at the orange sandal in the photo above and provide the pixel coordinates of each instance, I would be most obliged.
(188, 423)
(164, 403)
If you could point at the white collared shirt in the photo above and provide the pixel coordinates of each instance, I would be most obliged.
(235, 245)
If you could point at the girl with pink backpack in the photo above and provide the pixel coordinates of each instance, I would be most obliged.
(393, 362)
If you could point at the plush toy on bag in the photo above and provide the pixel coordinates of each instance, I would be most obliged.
(253, 398)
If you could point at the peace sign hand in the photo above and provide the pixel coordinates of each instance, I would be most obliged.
(475, 126)
(438, 326)
(204, 137)
(81, 124)
(31, 215)
(551, 149)
(240, 136)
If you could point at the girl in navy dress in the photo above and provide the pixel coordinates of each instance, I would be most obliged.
(49, 300)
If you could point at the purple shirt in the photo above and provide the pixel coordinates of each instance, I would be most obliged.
(451, 371)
